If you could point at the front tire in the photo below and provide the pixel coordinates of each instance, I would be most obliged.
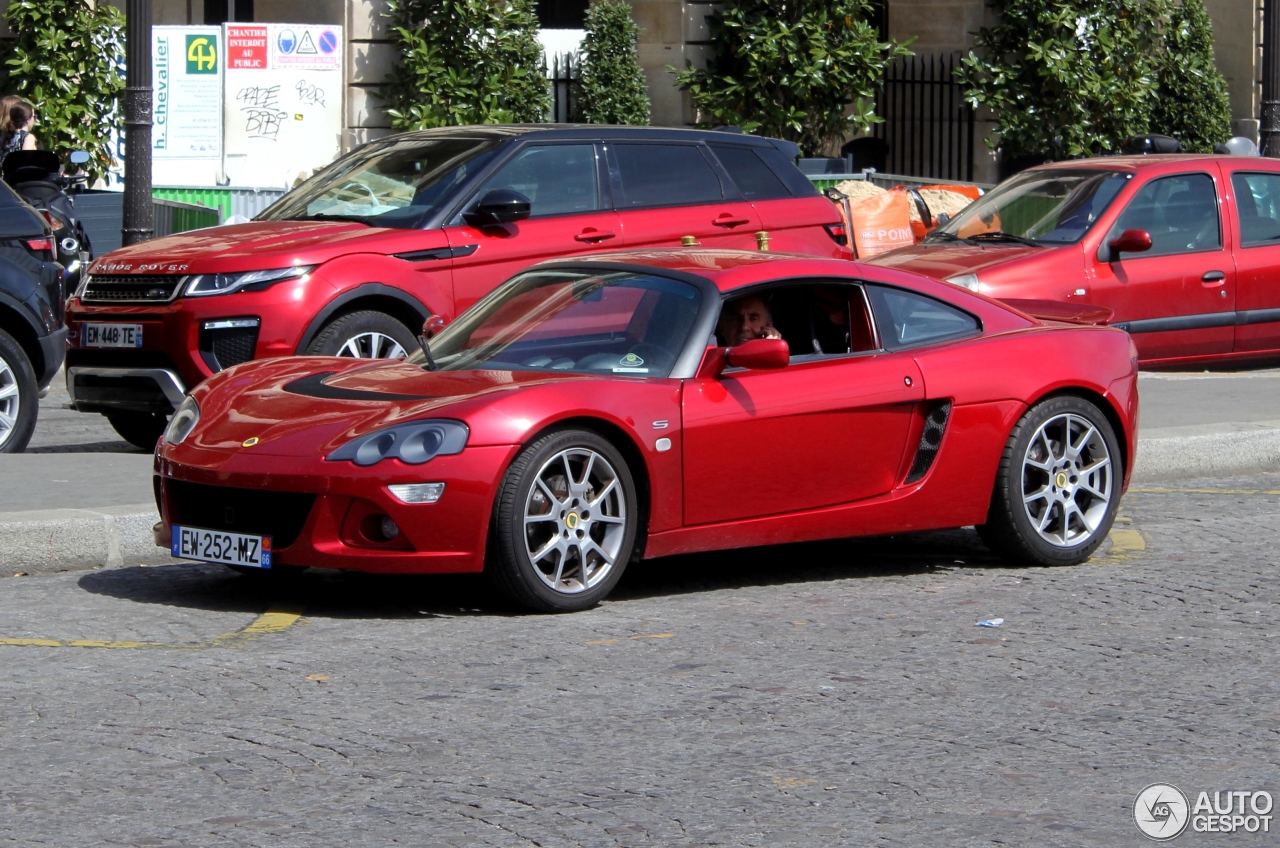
(140, 429)
(19, 396)
(364, 335)
(564, 524)
(1058, 486)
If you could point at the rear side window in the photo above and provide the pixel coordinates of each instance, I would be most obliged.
(665, 175)
(784, 169)
(752, 176)
(1258, 201)
(907, 319)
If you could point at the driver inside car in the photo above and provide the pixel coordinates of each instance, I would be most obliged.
(743, 319)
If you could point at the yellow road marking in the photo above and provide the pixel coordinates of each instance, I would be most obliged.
(1157, 491)
(275, 620)
(1125, 544)
(643, 636)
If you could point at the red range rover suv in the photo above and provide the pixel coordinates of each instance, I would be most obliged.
(412, 226)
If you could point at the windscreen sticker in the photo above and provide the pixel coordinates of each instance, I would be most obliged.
(631, 361)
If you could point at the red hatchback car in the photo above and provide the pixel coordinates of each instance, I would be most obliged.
(416, 225)
(1184, 250)
(592, 411)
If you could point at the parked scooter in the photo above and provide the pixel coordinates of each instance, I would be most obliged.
(36, 175)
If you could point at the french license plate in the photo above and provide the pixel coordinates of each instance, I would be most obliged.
(111, 335)
(225, 548)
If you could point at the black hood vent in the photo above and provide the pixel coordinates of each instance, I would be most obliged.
(315, 386)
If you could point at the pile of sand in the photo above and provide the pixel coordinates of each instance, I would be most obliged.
(938, 200)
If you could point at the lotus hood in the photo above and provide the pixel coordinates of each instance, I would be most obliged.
(309, 406)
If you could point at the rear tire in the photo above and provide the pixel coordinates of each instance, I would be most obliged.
(19, 396)
(1058, 486)
(564, 524)
(364, 335)
(140, 429)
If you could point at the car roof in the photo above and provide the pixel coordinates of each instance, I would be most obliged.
(500, 132)
(1150, 161)
(725, 269)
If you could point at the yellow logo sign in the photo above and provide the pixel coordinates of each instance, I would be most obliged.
(202, 55)
(571, 520)
(249, 442)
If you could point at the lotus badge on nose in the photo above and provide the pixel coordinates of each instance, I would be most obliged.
(249, 442)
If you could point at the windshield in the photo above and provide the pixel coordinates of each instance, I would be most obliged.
(618, 323)
(386, 185)
(1044, 207)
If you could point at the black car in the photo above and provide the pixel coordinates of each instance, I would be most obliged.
(33, 337)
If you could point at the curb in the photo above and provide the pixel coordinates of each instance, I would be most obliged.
(48, 541)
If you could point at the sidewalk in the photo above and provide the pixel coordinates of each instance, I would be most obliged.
(81, 497)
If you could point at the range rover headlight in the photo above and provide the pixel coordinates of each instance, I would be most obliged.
(413, 443)
(182, 422)
(202, 285)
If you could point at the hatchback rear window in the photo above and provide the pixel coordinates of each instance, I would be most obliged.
(753, 177)
(665, 175)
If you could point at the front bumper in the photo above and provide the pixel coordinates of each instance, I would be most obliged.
(158, 390)
(314, 515)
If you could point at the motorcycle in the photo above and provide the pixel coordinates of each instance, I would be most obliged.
(36, 175)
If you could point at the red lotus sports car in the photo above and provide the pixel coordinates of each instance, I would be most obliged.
(595, 411)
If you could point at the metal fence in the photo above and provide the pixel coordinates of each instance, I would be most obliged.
(564, 88)
(928, 129)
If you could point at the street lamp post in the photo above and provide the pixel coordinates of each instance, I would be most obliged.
(1270, 134)
(139, 224)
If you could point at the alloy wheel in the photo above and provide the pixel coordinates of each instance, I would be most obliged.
(10, 401)
(1067, 480)
(575, 520)
(372, 345)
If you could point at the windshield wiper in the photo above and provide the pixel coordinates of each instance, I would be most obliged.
(1000, 235)
(325, 216)
(939, 235)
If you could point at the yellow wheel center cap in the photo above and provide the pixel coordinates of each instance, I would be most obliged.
(1061, 479)
(571, 520)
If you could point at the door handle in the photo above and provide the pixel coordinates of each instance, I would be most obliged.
(727, 219)
(590, 235)
(1215, 278)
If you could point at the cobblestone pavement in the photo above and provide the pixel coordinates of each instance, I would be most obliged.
(805, 695)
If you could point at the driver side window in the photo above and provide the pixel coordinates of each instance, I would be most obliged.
(1180, 213)
(816, 319)
(558, 179)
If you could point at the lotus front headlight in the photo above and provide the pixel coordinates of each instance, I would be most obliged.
(413, 443)
(202, 285)
(182, 422)
(966, 281)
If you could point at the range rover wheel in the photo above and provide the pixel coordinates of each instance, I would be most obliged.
(1058, 486)
(564, 523)
(140, 429)
(364, 335)
(19, 397)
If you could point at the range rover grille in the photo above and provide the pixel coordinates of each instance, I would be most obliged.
(131, 288)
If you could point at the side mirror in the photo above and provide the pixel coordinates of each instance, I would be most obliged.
(1130, 241)
(79, 157)
(500, 206)
(759, 354)
(432, 326)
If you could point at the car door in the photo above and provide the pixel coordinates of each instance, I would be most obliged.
(568, 215)
(666, 192)
(1256, 198)
(827, 429)
(1178, 298)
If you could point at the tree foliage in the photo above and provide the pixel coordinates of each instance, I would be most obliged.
(465, 62)
(67, 60)
(612, 89)
(802, 70)
(1191, 97)
(1068, 78)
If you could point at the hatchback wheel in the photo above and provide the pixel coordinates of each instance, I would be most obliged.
(1058, 486)
(364, 335)
(564, 523)
(19, 397)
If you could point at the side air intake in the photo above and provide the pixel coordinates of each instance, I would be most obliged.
(935, 424)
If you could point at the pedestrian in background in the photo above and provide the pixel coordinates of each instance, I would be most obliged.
(17, 117)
